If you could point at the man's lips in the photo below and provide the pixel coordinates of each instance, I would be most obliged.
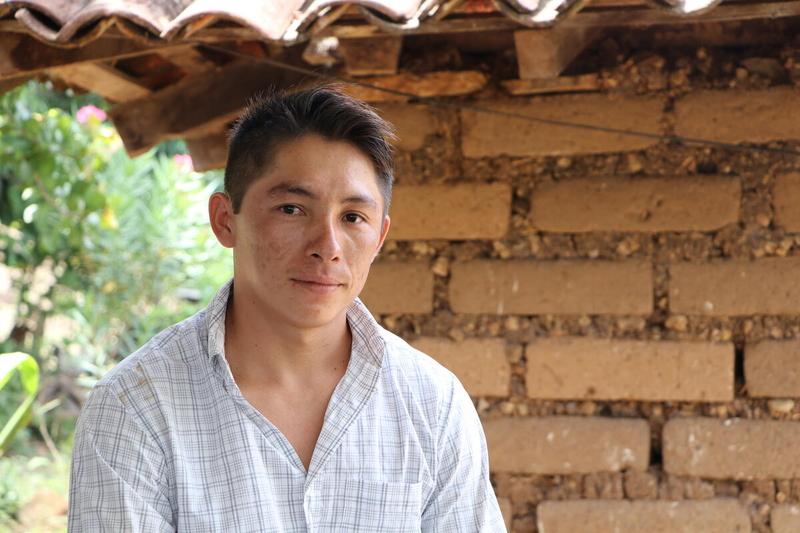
(318, 280)
(319, 284)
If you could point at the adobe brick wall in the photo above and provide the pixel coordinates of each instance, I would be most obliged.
(712, 516)
(765, 286)
(455, 212)
(380, 292)
(738, 116)
(786, 198)
(732, 449)
(772, 369)
(636, 204)
(558, 287)
(481, 365)
(486, 135)
(567, 444)
(605, 369)
(624, 312)
(786, 519)
(413, 124)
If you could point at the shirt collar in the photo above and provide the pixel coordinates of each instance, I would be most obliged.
(368, 342)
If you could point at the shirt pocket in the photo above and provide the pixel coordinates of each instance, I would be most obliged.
(371, 506)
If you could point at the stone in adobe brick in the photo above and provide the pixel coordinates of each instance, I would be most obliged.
(480, 364)
(693, 203)
(413, 122)
(785, 519)
(739, 116)
(455, 212)
(567, 444)
(765, 286)
(772, 369)
(785, 199)
(606, 369)
(731, 449)
(381, 294)
(556, 287)
(720, 515)
(641, 485)
(491, 135)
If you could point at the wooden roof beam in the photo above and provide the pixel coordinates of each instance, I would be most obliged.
(110, 83)
(188, 58)
(209, 152)
(196, 106)
(373, 56)
(427, 85)
(22, 55)
(544, 54)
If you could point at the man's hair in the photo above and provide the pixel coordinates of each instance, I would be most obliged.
(278, 118)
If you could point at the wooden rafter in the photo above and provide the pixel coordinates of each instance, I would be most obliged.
(188, 58)
(543, 54)
(196, 106)
(374, 56)
(103, 79)
(22, 55)
(427, 85)
(562, 84)
(209, 152)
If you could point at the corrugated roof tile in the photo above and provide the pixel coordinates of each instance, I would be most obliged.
(77, 21)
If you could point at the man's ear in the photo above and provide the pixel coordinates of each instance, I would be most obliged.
(384, 231)
(220, 214)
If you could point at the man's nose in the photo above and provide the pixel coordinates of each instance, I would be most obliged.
(324, 243)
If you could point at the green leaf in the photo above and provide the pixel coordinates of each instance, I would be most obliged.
(29, 374)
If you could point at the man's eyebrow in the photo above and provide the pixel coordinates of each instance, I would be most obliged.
(361, 200)
(283, 189)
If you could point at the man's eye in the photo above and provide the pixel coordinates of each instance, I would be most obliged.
(289, 209)
(352, 217)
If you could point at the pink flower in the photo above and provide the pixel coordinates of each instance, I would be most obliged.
(89, 111)
(183, 161)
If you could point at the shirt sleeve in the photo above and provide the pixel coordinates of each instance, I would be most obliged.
(463, 500)
(117, 479)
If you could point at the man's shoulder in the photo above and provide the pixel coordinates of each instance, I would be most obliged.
(173, 348)
(419, 368)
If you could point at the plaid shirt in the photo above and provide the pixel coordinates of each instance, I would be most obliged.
(167, 442)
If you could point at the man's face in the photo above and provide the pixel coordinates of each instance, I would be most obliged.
(306, 233)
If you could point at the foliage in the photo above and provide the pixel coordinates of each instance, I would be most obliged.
(114, 248)
(20, 479)
(11, 363)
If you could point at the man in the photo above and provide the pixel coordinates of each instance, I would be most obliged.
(283, 406)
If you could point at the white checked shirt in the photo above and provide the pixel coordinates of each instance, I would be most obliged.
(167, 442)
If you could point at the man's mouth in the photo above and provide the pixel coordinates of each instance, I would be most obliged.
(318, 284)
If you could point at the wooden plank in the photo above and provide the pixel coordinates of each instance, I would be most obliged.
(546, 53)
(188, 58)
(562, 84)
(197, 106)
(209, 152)
(426, 85)
(12, 83)
(111, 84)
(23, 55)
(374, 56)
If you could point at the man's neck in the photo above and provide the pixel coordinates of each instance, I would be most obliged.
(261, 349)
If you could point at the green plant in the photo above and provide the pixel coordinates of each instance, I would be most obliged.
(119, 242)
(29, 375)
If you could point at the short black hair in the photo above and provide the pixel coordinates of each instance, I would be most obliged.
(278, 117)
